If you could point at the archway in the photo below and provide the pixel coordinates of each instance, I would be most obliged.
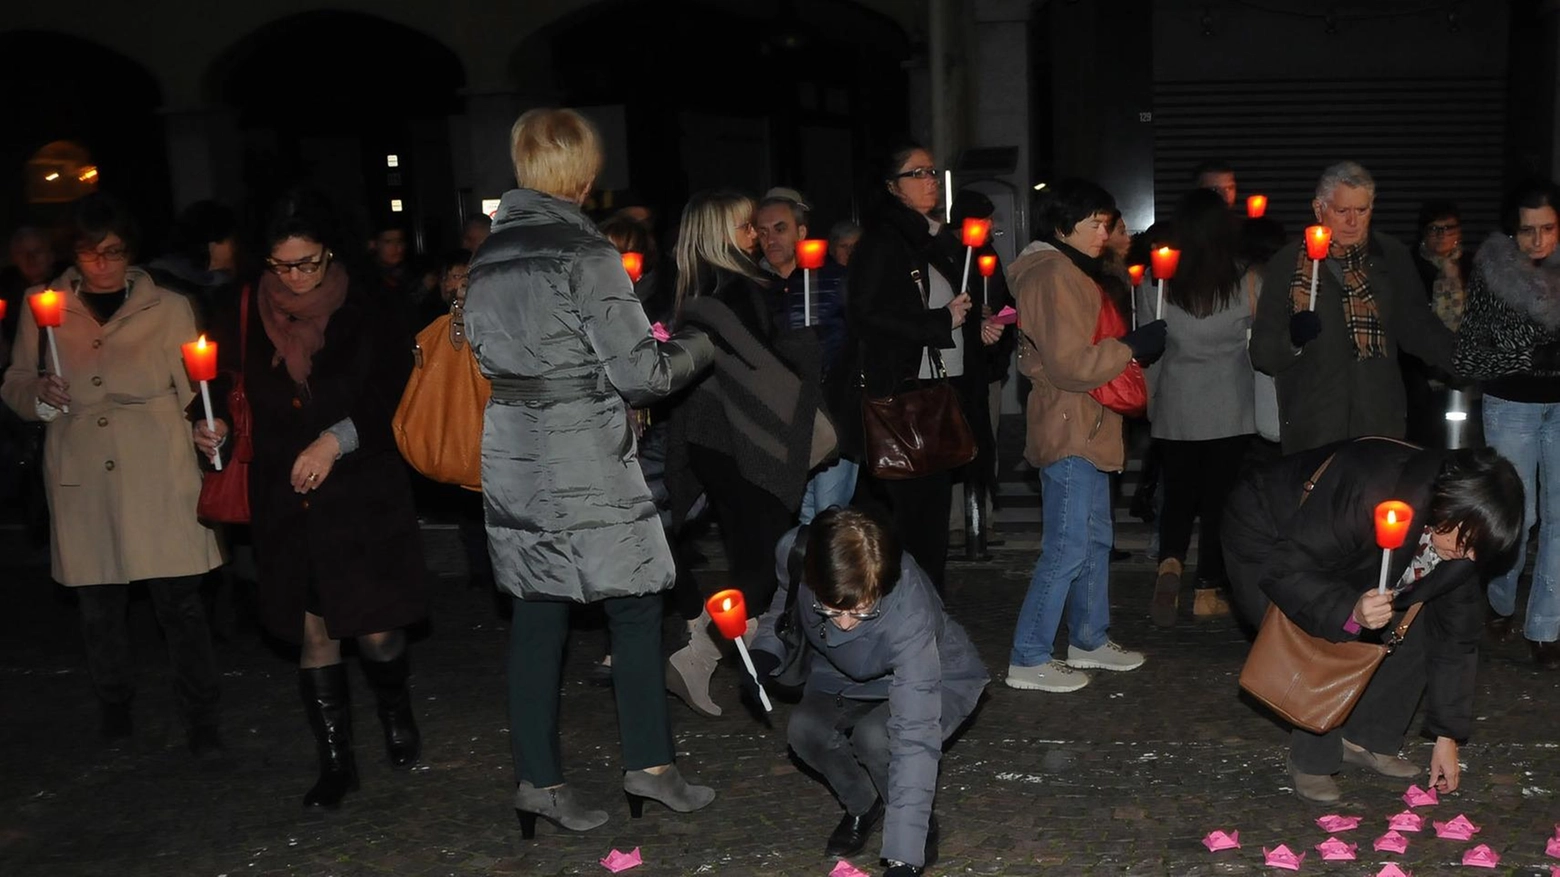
(313, 108)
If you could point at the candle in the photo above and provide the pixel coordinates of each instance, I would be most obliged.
(1164, 259)
(809, 255)
(1256, 206)
(730, 616)
(1317, 240)
(2, 308)
(1392, 520)
(48, 309)
(987, 265)
(1136, 273)
(974, 236)
(200, 360)
(634, 264)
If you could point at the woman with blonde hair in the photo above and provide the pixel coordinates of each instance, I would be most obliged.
(554, 322)
(749, 433)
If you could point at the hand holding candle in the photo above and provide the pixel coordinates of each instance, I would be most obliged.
(48, 309)
(200, 360)
(729, 613)
(809, 257)
(1165, 260)
(1317, 239)
(1392, 520)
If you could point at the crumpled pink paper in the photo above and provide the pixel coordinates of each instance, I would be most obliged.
(1332, 822)
(1334, 850)
(1005, 316)
(1282, 856)
(616, 861)
(843, 868)
(660, 333)
(1554, 871)
(1391, 869)
(1417, 797)
(1457, 829)
(1481, 856)
(1218, 840)
(1552, 848)
(1391, 842)
(1408, 820)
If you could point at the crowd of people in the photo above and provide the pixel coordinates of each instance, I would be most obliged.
(725, 384)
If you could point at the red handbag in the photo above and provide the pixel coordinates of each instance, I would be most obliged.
(1126, 393)
(224, 495)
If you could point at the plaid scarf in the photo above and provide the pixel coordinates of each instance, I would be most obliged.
(1359, 306)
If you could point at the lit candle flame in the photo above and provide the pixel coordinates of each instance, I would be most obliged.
(725, 604)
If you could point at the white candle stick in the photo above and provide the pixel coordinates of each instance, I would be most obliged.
(964, 284)
(1386, 559)
(1314, 264)
(1159, 302)
(1132, 303)
(54, 354)
(806, 296)
(747, 662)
(211, 424)
(985, 291)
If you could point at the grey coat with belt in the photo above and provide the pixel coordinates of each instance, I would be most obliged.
(912, 655)
(554, 322)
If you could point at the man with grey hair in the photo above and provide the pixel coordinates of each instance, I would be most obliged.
(1336, 363)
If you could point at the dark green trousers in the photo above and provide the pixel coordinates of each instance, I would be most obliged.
(536, 640)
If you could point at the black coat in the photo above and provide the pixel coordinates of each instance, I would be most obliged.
(1315, 560)
(354, 540)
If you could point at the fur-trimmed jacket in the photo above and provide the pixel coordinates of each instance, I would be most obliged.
(1513, 308)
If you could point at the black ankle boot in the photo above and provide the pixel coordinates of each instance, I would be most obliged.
(324, 692)
(403, 743)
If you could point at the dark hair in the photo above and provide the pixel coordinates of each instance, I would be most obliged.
(969, 204)
(1207, 275)
(96, 216)
(454, 259)
(1479, 490)
(200, 225)
(852, 558)
(895, 159)
(384, 222)
(303, 213)
(1440, 208)
(1527, 196)
(1069, 202)
(628, 235)
(1260, 238)
(1212, 166)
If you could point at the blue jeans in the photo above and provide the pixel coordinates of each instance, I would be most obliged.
(832, 485)
(1074, 566)
(1528, 434)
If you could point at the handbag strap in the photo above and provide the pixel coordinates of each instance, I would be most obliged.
(1310, 483)
(793, 564)
(243, 328)
(932, 355)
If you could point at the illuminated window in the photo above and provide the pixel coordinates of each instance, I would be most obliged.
(392, 160)
(395, 205)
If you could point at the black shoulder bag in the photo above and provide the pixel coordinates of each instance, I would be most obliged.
(796, 662)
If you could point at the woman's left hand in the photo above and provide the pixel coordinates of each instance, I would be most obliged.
(990, 332)
(313, 466)
(1445, 772)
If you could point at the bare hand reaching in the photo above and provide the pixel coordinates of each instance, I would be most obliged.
(959, 308)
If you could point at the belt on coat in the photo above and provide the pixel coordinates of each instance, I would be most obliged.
(511, 391)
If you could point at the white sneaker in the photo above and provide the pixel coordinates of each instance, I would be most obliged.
(1053, 676)
(1107, 657)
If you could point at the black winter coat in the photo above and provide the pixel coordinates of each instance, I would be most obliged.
(1315, 560)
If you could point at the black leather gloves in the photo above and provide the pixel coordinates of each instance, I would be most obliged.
(1147, 342)
(1304, 327)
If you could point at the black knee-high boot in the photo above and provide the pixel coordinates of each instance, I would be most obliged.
(324, 692)
(403, 742)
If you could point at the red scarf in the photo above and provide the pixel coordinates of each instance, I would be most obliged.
(296, 323)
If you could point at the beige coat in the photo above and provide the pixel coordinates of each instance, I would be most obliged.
(1058, 306)
(120, 468)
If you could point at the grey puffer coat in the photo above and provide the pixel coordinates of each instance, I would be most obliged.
(554, 322)
(912, 655)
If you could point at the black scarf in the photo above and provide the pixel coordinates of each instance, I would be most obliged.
(1090, 265)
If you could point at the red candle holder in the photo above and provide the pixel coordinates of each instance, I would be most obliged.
(1136, 273)
(987, 265)
(810, 253)
(975, 232)
(200, 359)
(729, 612)
(48, 308)
(1317, 239)
(1392, 520)
(1165, 260)
(1256, 206)
(634, 264)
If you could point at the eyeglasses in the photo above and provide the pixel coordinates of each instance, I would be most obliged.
(112, 254)
(1436, 231)
(918, 173)
(744, 226)
(859, 615)
(306, 266)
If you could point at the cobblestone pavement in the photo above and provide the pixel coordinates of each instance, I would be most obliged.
(1122, 777)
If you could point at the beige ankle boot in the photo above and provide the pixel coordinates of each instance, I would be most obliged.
(689, 669)
(1210, 603)
(1167, 593)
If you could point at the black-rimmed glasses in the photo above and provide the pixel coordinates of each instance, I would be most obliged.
(859, 615)
(918, 173)
(305, 266)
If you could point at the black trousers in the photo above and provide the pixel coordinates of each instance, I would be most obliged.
(1197, 478)
(182, 615)
(1380, 718)
(847, 741)
(919, 508)
(751, 522)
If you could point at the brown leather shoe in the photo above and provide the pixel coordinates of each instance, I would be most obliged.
(1209, 603)
(1386, 765)
(1546, 654)
(1318, 788)
(1167, 593)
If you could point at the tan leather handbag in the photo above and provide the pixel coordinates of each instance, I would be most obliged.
(1311, 682)
(438, 425)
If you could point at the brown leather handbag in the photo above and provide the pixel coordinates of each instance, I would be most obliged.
(1311, 682)
(438, 425)
(917, 432)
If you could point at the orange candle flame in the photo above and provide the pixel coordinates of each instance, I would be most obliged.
(1165, 260)
(975, 231)
(1136, 273)
(48, 308)
(988, 265)
(1392, 520)
(810, 253)
(634, 264)
(1256, 206)
(1317, 239)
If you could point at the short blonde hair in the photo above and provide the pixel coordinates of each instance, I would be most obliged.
(556, 151)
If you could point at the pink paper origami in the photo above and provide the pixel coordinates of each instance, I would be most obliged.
(843, 868)
(1334, 850)
(660, 333)
(1391, 842)
(1005, 316)
(1408, 820)
(1218, 840)
(1282, 856)
(616, 861)
(1417, 797)
(1332, 822)
(1391, 869)
(1481, 856)
(1552, 848)
(1458, 829)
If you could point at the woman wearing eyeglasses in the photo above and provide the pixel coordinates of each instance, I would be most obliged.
(121, 478)
(890, 677)
(336, 540)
